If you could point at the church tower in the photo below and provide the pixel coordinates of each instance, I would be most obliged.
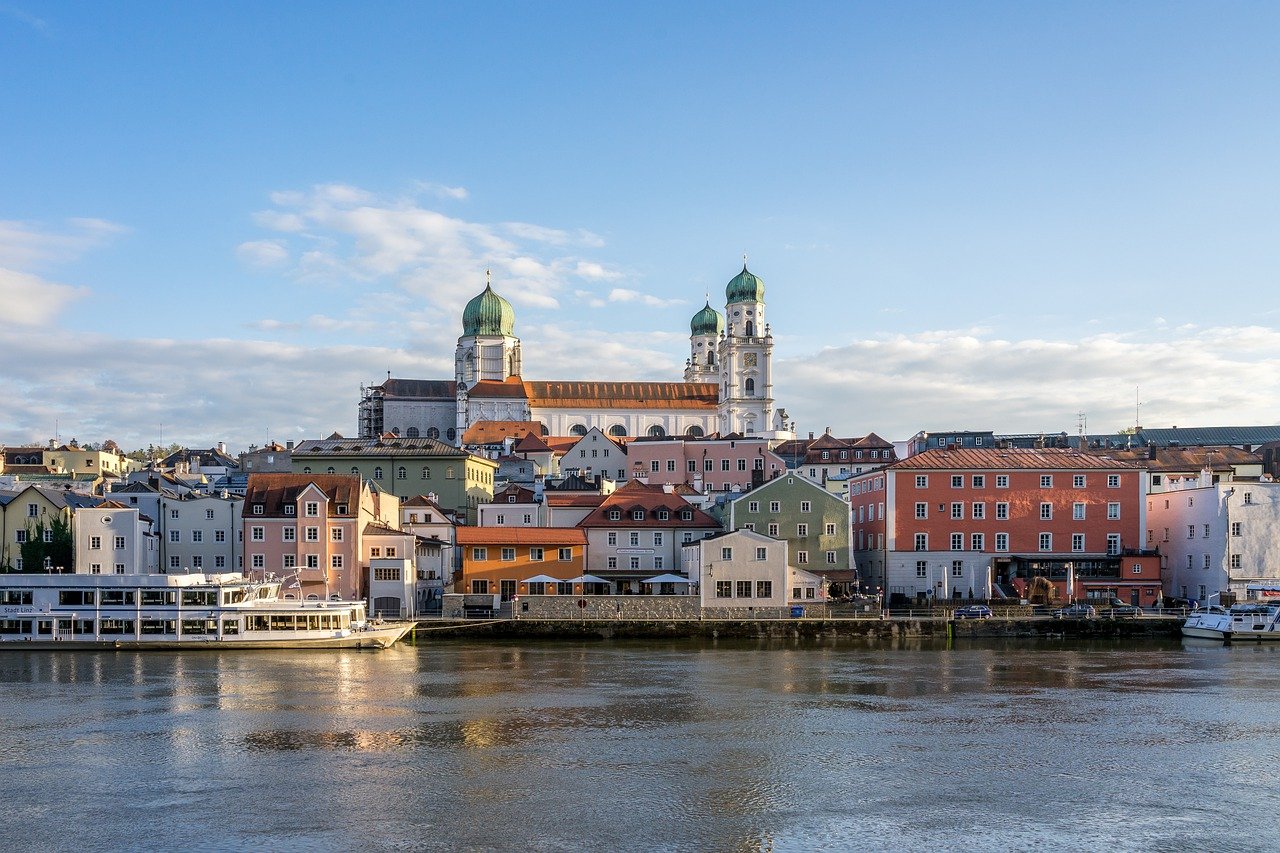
(488, 348)
(704, 341)
(746, 362)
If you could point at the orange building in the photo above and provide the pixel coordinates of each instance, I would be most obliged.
(961, 523)
(503, 559)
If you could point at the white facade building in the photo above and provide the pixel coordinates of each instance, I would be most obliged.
(113, 539)
(1216, 538)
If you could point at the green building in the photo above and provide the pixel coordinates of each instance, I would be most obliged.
(405, 467)
(814, 522)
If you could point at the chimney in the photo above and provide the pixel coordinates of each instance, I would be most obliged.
(222, 447)
(288, 445)
(828, 431)
(1151, 451)
(811, 435)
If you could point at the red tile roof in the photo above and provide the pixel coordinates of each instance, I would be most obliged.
(648, 499)
(495, 432)
(521, 536)
(572, 500)
(274, 491)
(623, 395)
(1013, 458)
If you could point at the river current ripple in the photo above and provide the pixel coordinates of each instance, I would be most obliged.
(644, 746)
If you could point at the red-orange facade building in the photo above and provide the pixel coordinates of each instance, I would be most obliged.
(981, 523)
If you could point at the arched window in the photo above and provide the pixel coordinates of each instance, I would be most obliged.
(377, 473)
(426, 472)
(449, 473)
(711, 358)
(330, 470)
(395, 430)
(433, 433)
(401, 473)
(657, 431)
(542, 429)
(577, 429)
(750, 387)
(751, 329)
(451, 434)
(413, 432)
(694, 432)
(617, 431)
(306, 470)
(355, 470)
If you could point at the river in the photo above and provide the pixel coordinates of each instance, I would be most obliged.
(644, 746)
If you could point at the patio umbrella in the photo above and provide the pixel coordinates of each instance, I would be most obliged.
(667, 579)
(541, 579)
(586, 579)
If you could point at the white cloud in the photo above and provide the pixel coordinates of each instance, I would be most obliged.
(24, 245)
(622, 294)
(263, 253)
(442, 191)
(340, 235)
(29, 300)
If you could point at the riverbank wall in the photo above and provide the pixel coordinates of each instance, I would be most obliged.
(1151, 627)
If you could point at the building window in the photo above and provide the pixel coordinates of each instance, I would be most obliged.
(1078, 481)
(922, 569)
(1077, 512)
(1206, 531)
(1113, 481)
(957, 481)
(1046, 541)
(922, 481)
(175, 535)
(975, 542)
(1191, 531)
(1206, 561)
(479, 553)
(612, 538)
(802, 530)
(566, 554)
(335, 534)
(922, 541)
(615, 515)
(657, 539)
(806, 506)
(612, 563)
(773, 530)
(377, 472)
(1235, 561)
(1113, 544)
(1113, 512)
(257, 534)
(259, 561)
(775, 506)
(288, 534)
(831, 530)
(1002, 541)
(922, 509)
(957, 510)
(313, 534)
(724, 589)
(957, 568)
(479, 587)
(1235, 528)
(957, 541)
(1002, 511)
(634, 538)
(95, 542)
(508, 555)
(336, 561)
(802, 557)
(635, 563)
(1002, 481)
(1046, 511)
(1077, 542)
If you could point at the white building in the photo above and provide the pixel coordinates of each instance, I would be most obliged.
(113, 539)
(1216, 537)
(747, 571)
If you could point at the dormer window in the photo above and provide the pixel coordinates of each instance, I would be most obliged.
(341, 509)
(615, 515)
(257, 509)
(637, 515)
(663, 515)
(511, 499)
(313, 509)
(289, 509)
(686, 515)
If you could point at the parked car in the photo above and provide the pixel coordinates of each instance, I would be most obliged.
(1118, 609)
(1076, 611)
(973, 611)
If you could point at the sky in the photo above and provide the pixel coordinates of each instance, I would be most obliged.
(218, 220)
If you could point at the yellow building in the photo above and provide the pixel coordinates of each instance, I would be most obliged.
(20, 512)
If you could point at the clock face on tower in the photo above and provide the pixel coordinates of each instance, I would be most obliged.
(749, 359)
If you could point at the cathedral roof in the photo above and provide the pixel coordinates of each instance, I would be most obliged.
(708, 321)
(495, 432)
(744, 287)
(623, 395)
(488, 314)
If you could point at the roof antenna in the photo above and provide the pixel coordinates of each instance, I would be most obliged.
(486, 278)
(744, 260)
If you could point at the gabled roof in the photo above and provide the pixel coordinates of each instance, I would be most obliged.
(572, 500)
(420, 389)
(531, 443)
(510, 388)
(636, 496)
(495, 432)
(382, 446)
(572, 483)
(274, 491)
(521, 494)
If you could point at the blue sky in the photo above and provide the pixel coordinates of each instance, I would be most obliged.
(223, 217)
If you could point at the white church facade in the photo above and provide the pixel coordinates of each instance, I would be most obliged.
(727, 387)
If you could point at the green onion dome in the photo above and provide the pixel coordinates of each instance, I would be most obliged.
(707, 321)
(745, 287)
(488, 314)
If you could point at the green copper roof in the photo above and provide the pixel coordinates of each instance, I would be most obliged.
(707, 321)
(488, 314)
(745, 287)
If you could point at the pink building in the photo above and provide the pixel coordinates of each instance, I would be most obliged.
(707, 464)
(308, 528)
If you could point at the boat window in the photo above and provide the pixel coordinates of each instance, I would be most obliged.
(75, 597)
(159, 626)
(159, 597)
(116, 626)
(15, 626)
(116, 597)
(15, 596)
(230, 626)
(199, 598)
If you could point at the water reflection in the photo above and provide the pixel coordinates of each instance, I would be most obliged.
(725, 746)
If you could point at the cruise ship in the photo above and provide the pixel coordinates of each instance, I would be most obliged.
(162, 611)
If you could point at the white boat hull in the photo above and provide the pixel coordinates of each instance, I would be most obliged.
(380, 637)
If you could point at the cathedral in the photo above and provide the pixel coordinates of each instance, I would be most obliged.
(727, 387)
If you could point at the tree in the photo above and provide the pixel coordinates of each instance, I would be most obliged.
(1041, 591)
(58, 552)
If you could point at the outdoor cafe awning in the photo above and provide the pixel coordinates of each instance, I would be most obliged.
(667, 579)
